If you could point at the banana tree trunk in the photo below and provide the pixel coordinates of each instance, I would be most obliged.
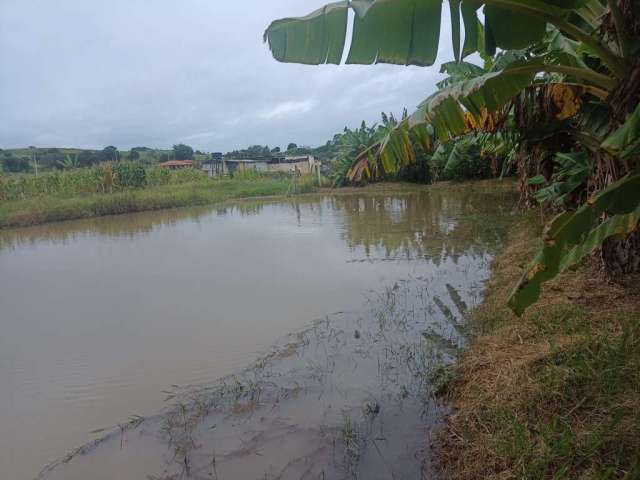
(621, 257)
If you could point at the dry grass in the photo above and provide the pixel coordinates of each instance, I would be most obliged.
(554, 394)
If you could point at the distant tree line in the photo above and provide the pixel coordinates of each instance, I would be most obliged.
(14, 163)
(259, 152)
(23, 161)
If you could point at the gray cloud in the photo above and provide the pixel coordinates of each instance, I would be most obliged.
(90, 73)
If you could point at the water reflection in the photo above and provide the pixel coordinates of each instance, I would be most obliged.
(430, 224)
(99, 316)
(410, 224)
(113, 226)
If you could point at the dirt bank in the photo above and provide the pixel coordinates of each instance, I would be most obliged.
(554, 394)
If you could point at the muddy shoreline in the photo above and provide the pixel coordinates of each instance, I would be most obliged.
(351, 396)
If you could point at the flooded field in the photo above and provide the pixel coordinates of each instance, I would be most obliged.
(298, 338)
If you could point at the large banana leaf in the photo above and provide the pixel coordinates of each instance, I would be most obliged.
(625, 142)
(572, 235)
(314, 39)
(446, 109)
(408, 31)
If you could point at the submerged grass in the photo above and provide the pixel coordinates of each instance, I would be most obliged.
(18, 213)
(554, 394)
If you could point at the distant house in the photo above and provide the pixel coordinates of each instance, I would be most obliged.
(177, 164)
(214, 167)
(219, 166)
(303, 163)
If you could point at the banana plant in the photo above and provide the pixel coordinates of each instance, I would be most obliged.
(407, 32)
(479, 99)
(561, 39)
(69, 162)
(572, 235)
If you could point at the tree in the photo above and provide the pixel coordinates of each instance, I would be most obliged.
(12, 163)
(182, 152)
(275, 150)
(134, 154)
(291, 146)
(86, 158)
(109, 154)
(50, 158)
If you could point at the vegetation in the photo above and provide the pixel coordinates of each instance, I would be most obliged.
(126, 187)
(25, 160)
(553, 394)
(13, 163)
(566, 84)
(259, 152)
(106, 178)
(182, 152)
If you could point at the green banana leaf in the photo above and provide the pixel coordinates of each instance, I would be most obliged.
(572, 235)
(445, 109)
(317, 38)
(407, 32)
(625, 142)
(459, 71)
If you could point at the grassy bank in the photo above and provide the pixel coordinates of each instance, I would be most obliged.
(51, 208)
(554, 394)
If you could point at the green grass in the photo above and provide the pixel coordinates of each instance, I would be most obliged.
(554, 394)
(583, 418)
(45, 209)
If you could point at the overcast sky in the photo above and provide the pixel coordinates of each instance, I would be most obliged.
(90, 73)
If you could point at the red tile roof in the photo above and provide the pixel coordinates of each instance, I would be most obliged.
(177, 163)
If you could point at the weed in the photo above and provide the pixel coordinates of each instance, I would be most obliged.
(352, 441)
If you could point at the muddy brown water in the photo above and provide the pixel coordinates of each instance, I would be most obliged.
(293, 338)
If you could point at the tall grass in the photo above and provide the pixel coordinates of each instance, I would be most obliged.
(177, 189)
(98, 179)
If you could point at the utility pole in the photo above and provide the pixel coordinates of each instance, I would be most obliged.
(34, 158)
